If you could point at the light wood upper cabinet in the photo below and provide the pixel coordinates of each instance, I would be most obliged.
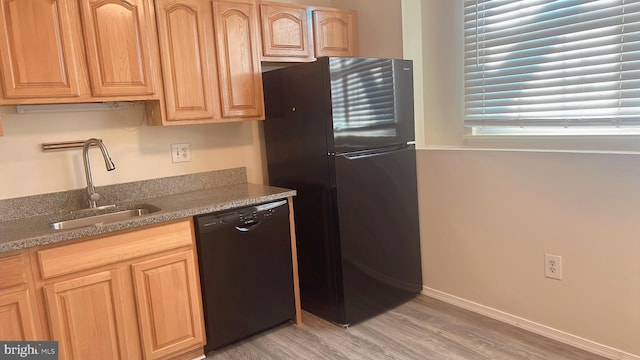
(335, 32)
(286, 32)
(118, 44)
(187, 49)
(167, 312)
(294, 33)
(18, 310)
(239, 68)
(210, 63)
(42, 55)
(66, 51)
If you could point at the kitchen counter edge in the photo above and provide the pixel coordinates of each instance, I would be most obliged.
(36, 231)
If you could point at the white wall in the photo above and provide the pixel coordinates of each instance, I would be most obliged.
(489, 216)
(443, 79)
(139, 151)
(378, 26)
(412, 45)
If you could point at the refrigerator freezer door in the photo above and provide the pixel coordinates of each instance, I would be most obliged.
(379, 233)
(371, 103)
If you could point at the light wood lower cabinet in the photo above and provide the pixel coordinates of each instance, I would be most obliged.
(19, 319)
(131, 295)
(88, 316)
(168, 300)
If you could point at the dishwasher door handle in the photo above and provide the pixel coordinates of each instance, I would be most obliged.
(248, 228)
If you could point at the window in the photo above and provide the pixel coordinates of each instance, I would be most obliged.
(552, 66)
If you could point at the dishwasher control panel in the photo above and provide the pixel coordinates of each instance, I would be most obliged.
(248, 217)
(241, 217)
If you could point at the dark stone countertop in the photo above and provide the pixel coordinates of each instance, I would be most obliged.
(31, 231)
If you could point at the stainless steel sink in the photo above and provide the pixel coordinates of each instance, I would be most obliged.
(114, 215)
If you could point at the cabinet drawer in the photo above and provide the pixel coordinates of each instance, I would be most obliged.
(13, 271)
(68, 259)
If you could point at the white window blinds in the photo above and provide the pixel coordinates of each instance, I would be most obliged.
(552, 63)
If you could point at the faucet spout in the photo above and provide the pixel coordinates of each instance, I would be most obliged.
(92, 195)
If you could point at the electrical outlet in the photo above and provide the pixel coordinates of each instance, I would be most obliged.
(553, 266)
(180, 153)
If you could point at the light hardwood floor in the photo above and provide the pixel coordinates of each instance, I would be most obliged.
(423, 328)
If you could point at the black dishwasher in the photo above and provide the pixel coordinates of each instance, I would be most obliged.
(246, 271)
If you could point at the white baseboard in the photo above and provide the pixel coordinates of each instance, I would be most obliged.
(566, 338)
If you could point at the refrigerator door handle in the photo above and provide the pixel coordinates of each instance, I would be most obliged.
(376, 152)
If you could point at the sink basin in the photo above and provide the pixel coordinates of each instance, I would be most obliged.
(113, 215)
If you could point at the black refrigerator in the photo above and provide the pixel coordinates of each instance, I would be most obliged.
(340, 131)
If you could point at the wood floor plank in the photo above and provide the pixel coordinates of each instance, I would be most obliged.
(423, 328)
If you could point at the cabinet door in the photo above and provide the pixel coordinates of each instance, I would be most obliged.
(18, 312)
(187, 50)
(238, 60)
(118, 46)
(17, 317)
(87, 316)
(286, 33)
(335, 32)
(169, 306)
(41, 55)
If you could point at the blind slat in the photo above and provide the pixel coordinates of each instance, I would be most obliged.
(552, 63)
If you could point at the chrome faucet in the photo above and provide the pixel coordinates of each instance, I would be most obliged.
(92, 195)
